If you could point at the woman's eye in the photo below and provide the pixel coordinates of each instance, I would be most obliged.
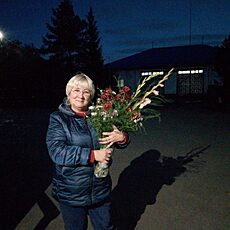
(79, 91)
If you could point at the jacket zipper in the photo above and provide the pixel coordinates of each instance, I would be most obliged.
(92, 147)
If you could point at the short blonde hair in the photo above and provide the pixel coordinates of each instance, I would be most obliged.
(80, 78)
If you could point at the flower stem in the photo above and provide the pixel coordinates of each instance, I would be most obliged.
(150, 91)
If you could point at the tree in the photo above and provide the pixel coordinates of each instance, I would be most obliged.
(224, 61)
(223, 67)
(65, 40)
(93, 50)
(22, 74)
(73, 44)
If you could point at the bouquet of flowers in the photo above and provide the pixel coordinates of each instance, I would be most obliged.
(126, 110)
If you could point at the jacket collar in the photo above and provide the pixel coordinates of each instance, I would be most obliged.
(65, 108)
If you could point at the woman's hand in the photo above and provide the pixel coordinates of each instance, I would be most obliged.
(103, 155)
(112, 137)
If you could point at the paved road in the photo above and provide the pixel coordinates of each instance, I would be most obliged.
(150, 195)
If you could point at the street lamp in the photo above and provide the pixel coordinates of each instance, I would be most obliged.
(1, 36)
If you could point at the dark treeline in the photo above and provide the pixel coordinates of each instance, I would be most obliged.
(223, 68)
(33, 76)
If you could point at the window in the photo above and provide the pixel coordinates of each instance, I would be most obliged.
(148, 73)
(195, 71)
(190, 82)
(120, 82)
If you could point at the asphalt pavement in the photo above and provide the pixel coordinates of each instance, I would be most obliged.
(155, 187)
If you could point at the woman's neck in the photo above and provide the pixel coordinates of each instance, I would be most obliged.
(78, 110)
(81, 113)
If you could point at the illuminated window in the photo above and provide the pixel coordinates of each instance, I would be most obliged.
(194, 71)
(190, 82)
(151, 73)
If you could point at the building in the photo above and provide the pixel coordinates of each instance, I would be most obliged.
(193, 65)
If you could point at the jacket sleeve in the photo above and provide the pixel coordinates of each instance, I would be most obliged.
(59, 150)
(124, 144)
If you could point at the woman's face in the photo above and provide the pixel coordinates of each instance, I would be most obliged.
(79, 97)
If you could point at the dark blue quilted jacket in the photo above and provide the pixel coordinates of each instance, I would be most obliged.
(70, 139)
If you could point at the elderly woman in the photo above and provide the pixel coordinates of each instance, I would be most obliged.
(74, 148)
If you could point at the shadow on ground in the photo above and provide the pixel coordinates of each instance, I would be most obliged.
(139, 184)
(25, 169)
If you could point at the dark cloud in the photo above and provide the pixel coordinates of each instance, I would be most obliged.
(149, 41)
(130, 51)
(144, 26)
(161, 25)
(195, 38)
(135, 41)
(126, 47)
(119, 31)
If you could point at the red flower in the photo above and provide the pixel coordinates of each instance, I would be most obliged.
(107, 106)
(118, 97)
(107, 94)
(125, 89)
(136, 116)
(129, 109)
(126, 92)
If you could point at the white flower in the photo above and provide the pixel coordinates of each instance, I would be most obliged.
(93, 114)
(115, 112)
(141, 106)
(138, 120)
(103, 113)
(91, 107)
(156, 93)
(146, 102)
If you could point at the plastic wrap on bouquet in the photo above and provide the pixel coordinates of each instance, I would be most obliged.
(101, 170)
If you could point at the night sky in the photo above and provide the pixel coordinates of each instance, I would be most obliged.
(125, 26)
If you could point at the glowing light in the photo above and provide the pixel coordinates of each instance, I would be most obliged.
(1, 36)
(195, 71)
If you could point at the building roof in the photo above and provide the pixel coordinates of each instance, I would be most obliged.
(167, 57)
